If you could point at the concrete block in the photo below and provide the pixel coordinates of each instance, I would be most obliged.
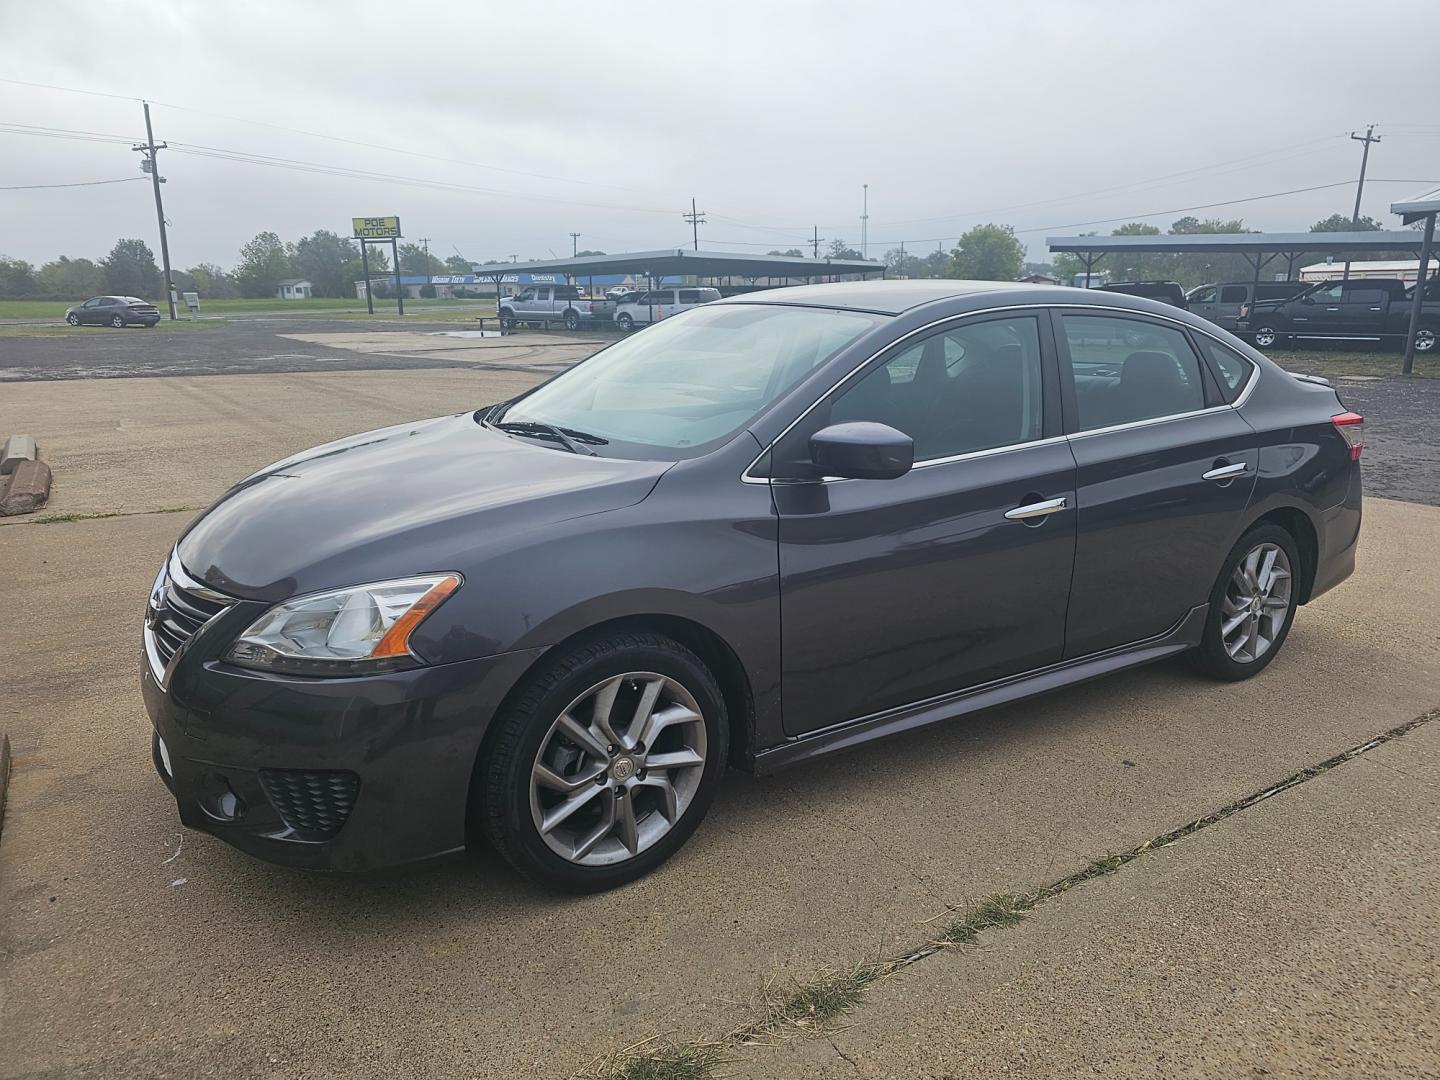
(17, 448)
(27, 489)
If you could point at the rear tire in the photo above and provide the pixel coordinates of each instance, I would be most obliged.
(572, 320)
(1252, 605)
(1425, 339)
(627, 813)
(118, 321)
(1266, 337)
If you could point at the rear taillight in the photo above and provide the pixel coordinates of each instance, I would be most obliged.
(1351, 427)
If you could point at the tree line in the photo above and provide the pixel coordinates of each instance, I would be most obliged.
(332, 265)
(329, 261)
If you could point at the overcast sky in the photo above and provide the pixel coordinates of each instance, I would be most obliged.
(605, 118)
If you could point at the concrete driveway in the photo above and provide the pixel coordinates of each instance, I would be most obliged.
(130, 948)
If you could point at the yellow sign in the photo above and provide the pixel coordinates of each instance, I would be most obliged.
(375, 228)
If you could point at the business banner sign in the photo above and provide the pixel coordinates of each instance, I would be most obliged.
(376, 228)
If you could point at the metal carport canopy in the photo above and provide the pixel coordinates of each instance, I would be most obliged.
(1423, 207)
(1418, 207)
(678, 261)
(1243, 243)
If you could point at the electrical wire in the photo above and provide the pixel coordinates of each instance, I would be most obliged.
(78, 183)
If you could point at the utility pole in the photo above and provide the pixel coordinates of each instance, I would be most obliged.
(865, 222)
(426, 241)
(149, 149)
(1368, 138)
(815, 239)
(696, 219)
(574, 244)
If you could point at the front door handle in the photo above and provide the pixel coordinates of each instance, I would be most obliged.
(1226, 472)
(1036, 509)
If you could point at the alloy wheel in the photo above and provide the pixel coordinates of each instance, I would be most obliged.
(618, 769)
(73, 319)
(118, 322)
(1265, 337)
(1424, 340)
(1257, 603)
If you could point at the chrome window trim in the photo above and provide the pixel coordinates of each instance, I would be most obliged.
(1244, 396)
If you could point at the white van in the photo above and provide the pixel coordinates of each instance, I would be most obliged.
(656, 304)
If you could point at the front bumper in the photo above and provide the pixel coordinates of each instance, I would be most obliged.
(328, 774)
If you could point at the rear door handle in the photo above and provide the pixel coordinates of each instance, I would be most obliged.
(1226, 472)
(1036, 509)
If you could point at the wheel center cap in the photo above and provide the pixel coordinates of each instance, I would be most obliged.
(623, 768)
(1255, 605)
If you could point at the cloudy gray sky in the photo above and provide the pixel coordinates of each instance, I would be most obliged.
(518, 123)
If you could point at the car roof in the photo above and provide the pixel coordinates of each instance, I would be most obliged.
(897, 297)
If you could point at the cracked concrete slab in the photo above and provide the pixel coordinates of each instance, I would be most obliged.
(1300, 937)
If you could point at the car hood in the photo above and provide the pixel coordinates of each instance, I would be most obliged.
(432, 495)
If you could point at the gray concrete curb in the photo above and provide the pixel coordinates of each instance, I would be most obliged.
(26, 490)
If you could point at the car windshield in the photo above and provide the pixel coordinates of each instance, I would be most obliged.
(686, 384)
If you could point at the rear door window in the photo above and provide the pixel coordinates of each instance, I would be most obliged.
(689, 296)
(1127, 370)
(1233, 294)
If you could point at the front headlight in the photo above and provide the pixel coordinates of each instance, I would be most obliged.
(354, 631)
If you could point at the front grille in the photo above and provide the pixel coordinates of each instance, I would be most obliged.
(314, 804)
(179, 606)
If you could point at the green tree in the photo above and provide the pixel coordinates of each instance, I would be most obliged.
(413, 260)
(17, 277)
(838, 249)
(789, 253)
(213, 283)
(458, 264)
(323, 257)
(130, 270)
(71, 277)
(586, 251)
(1341, 223)
(264, 263)
(988, 253)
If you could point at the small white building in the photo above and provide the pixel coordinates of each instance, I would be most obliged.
(293, 289)
(1389, 269)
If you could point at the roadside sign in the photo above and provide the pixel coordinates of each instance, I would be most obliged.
(376, 228)
(192, 301)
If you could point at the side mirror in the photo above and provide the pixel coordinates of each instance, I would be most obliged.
(862, 451)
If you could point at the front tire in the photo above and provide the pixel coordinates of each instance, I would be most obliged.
(625, 322)
(604, 763)
(1252, 605)
(73, 319)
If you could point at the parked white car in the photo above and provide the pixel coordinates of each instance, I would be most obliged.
(657, 304)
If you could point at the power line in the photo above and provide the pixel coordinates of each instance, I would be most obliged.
(339, 138)
(78, 183)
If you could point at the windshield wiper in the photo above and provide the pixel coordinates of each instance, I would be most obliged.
(572, 440)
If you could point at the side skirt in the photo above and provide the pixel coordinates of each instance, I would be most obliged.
(1183, 635)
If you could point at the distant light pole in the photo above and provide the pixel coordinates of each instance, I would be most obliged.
(865, 221)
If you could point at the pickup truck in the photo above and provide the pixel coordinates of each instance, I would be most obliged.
(554, 303)
(1374, 310)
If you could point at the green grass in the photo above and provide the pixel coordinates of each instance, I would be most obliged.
(55, 309)
(1327, 362)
